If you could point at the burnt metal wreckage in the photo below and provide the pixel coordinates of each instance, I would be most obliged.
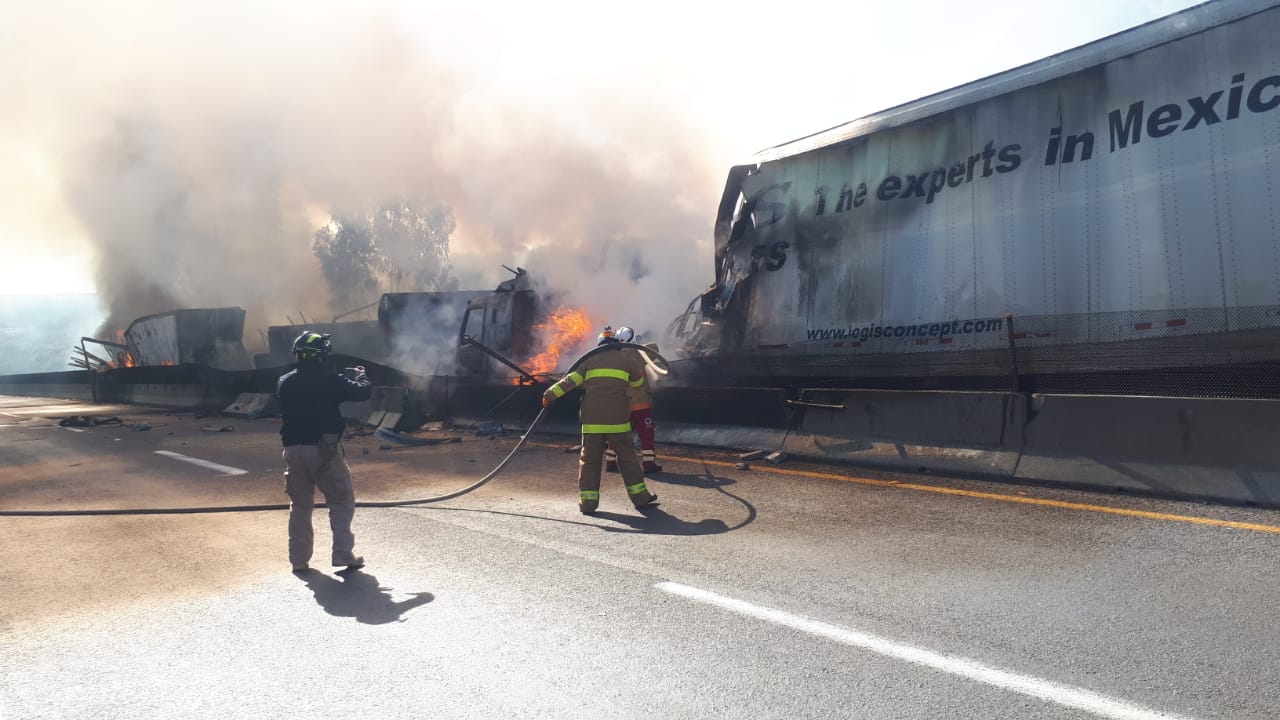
(1047, 275)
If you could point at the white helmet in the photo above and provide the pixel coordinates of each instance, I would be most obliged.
(625, 334)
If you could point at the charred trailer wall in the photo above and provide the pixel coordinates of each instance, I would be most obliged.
(205, 336)
(1117, 200)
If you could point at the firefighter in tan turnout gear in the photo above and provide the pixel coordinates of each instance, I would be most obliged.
(605, 415)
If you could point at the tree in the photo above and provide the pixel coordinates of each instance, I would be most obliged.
(414, 243)
(396, 248)
(350, 261)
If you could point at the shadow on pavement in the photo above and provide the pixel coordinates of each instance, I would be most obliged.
(653, 520)
(656, 521)
(706, 479)
(359, 595)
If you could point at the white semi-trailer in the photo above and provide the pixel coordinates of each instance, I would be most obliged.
(1110, 208)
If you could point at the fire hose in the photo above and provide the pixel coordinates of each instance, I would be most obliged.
(660, 366)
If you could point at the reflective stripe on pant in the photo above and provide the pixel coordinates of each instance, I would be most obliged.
(589, 467)
(306, 470)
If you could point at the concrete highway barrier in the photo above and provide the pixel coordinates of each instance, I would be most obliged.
(1217, 449)
(71, 384)
(1202, 448)
(252, 406)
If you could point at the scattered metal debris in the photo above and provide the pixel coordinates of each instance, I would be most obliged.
(777, 458)
(88, 421)
(743, 466)
(224, 428)
(402, 439)
(489, 428)
(753, 455)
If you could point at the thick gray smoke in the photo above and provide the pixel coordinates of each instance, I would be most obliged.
(201, 146)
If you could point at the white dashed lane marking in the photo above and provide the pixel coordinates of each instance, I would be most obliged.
(1047, 690)
(224, 469)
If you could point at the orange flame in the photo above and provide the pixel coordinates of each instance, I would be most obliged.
(562, 331)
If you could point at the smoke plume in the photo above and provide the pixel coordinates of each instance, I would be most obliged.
(201, 145)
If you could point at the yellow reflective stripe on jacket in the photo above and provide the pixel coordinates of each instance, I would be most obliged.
(637, 384)
(596, 429)
(589, 494)
(622, 375)
(567, 383)
(636, 489)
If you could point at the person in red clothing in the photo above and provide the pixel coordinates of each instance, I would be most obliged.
(641, 400)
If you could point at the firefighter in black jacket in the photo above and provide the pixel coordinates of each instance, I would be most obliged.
(311, 431)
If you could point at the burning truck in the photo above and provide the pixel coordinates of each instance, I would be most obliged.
(422, 348)
(515, 331)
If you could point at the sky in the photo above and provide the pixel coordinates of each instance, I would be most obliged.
(160, 152)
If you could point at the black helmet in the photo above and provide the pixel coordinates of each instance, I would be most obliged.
(312, 346)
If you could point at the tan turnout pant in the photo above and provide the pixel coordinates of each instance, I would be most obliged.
(305, 470)
(590, 459)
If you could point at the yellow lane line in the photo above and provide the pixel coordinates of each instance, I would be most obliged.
(1256, 527)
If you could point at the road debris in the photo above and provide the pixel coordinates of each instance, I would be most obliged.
(489, 429)
(88, 421)
(402, 439)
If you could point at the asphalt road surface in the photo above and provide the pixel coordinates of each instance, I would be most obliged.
(773, 592)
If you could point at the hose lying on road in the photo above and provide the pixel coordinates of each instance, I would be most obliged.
(661, 368)
(284, 506)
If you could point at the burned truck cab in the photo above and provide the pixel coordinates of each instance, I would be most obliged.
(503, 321)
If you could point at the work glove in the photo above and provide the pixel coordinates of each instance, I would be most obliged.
(546, 401)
